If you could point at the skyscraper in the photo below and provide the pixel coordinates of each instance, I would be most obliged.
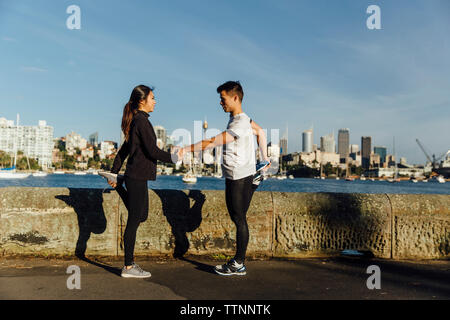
(327, 143)
(382, 151)
(366, 149)
(343, 143)
(307, 138)
(283, 146)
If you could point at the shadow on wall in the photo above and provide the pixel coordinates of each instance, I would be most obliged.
(183, 218)
(345, 225)
(88, 205)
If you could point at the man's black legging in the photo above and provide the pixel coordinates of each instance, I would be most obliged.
(135, 198)
(238, 195)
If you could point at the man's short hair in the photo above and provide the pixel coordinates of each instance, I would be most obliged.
(233, 87)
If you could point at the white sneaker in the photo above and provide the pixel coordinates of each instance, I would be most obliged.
(112, 177)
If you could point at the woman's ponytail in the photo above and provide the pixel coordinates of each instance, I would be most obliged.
(140, 93)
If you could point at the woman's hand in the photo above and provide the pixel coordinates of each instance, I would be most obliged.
(268, 166)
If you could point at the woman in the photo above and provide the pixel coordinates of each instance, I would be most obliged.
(142, 152)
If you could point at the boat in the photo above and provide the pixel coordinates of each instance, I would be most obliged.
(395, 179)
(362, 178)
(79, 173)
(349, 179)
(414, 180)
(440, 179)
(40, 174)
(10, 173)
(59, 172)
(444, 166)
(291, 176)
(337, 178)
(425, 180)
(189, 178)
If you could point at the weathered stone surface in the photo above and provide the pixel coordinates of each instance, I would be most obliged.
(57, 221)
(309, 224)
(421, 226)
(61, 221)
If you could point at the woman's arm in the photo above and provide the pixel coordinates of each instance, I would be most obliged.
(148, 138)
(120, 157)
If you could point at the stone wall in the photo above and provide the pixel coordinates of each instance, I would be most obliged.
(61, 221)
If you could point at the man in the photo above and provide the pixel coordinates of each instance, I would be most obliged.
(238, 167)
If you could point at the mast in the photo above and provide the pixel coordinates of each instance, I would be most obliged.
(15, 142)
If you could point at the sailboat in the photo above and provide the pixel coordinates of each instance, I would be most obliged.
(10, 173)
(190, 176)
(395, 179)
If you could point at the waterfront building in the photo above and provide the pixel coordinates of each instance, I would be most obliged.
(34, 141)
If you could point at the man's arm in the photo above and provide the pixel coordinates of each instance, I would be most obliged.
(219, 140)
(261, 139)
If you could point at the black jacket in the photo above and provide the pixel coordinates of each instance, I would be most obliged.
(141, 149)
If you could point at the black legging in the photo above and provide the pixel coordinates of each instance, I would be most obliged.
(238, 195)
(135, 198)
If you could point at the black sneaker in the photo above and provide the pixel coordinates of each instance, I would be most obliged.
(231, 268)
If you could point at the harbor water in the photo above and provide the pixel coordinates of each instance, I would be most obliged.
(211, 183)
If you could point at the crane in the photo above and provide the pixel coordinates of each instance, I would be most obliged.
(435, 160)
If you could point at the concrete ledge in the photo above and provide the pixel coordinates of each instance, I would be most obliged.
(62, 221)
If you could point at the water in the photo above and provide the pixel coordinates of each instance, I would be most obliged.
(210, 183)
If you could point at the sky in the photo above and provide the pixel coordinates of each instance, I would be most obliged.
(302, 64)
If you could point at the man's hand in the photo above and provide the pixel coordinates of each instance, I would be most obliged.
(112, 184)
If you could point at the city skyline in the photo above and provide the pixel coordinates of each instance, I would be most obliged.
(316, 62)
(327, 142)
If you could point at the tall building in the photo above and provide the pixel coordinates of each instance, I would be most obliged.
(354, 148)
(343, 143)
(284, 146)
(93, 139)
(382, 151)
(307, 138)
(161, 136)
(35, 141)
(327, 143)
(366, 150)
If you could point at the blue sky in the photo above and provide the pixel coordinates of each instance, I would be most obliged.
(301, 63)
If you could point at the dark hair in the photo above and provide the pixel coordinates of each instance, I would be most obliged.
(140, 93)
(232, 87)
